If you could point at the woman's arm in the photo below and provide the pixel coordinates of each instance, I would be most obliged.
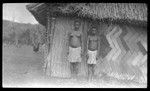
(68, 41)
(98, 46)
(87, 56)
(81, 38)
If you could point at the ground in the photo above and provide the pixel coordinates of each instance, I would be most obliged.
(23, 68)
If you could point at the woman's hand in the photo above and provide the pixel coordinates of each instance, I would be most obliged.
(87, 56)
(97, 58)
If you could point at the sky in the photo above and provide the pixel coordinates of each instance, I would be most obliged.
(18, 12)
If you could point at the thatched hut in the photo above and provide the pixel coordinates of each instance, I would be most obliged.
(122, 32)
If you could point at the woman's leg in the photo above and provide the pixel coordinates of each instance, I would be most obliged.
(74, 69)
(93, 70)
(71, 69)
(77, 68)
(89, 72)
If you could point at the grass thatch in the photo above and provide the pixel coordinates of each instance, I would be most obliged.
(112, 11)
(115, 11)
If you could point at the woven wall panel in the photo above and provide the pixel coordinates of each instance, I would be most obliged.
(128, 52)
(123, 52)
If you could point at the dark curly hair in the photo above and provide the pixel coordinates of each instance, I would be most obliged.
(77, 22)
(93, 31)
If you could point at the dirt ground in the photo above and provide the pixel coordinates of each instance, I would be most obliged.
(23, 68)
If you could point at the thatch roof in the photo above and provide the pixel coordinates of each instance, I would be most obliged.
(125, 12)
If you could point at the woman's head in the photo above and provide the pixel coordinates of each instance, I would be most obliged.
(93, 31)
(76, 25)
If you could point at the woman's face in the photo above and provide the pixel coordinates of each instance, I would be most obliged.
(77, 24)
(93, 30)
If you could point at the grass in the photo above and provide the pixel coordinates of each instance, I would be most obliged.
(23, 68)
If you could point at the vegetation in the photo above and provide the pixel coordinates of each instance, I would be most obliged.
(26, 34)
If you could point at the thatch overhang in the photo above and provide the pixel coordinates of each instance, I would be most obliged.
(128, 13)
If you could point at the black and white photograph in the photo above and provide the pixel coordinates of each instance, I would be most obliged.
(74, 45)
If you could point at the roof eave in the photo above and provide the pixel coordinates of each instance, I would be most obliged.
(39, 12)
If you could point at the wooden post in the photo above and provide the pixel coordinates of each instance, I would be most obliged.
(83, 68)
(48, 31)
(49, 36)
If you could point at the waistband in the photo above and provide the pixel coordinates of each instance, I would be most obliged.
(92, 51)
(74, 48)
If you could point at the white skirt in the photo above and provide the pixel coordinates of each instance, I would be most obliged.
(92, 57)
(74, 54)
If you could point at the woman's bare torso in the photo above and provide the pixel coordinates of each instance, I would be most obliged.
(75, 39)
(93, 43)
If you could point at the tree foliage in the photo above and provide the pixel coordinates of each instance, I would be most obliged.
(27, 34)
